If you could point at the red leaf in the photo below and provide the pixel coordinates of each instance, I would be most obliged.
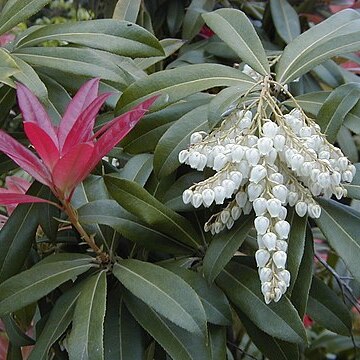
(24, 158)
(43, 144)
(82, 130)
(119, 128)
(72, 168)
(17, 184)
(33, 111)
(8, 198)
(83, 98)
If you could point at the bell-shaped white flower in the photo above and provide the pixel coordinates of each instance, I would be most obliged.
(220, 161)
(282, 228)
(194, 159)
(196, 200)
(262, 256)
(314, 211)
(187, 196)
(208, 196)
(273, 207)
(301, 208)
(252, 156)
(269, 240)
(264, 145)
(284, 275)
(279, 258)
(261, 224)
(235, 212)
(277, 295)
(270, 129)
(265, 274)
(195, 138)
(260, 206)
(279, 142)
(254, 191)
(280, 192)
(183, 156)
(236, 177)
(258, 172)
(225, 216)
(219, 193)
(281, 245)
(237, 153)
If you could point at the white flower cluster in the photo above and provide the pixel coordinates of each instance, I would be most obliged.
(288, 163)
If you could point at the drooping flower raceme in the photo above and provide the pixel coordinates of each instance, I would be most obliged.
(266, 162)
(69, 152)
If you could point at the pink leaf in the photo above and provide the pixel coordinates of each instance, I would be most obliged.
(43, 144)
(72, 168)
(24, 158)
(17, 184)
(119, 129)
(8, 198)
(83, 98)
(33, 111)
(82, 130)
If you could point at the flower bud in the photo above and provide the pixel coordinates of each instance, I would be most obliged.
(261, 224)
(280, 192)
(324, 180)
(269, 240)
(267, 298)
(284, 275)
(282, 228)
(264, 145)
(252, 156)
(273, 207)
(247, 208)
(194, 159)
(282, 286)
(306, 168)
(279, 142)
(258, 172)
(237, 153)
(183, 156)
(277, 177)
(292, 198)
(343, 163)
(266, 287)
(187, 196)
(301, 208)
(244, 168)
(219, 193)
(195, 138)
(282, 213)
(208, 196)
(241, 198)
(296, 161)
(305, 131)
(281, 245)
(220, 161)
(236, 177)
(265, 274)
(229, 187)
(271, 157)
(202, 162)
(235, 212)
(262, 256)
(279, 258)
(347, 176)
(254, 191)
(259, 206)
(270, 129)
(251, 140)
(225, 216)
(314, 211)
(218, 226)
(196, 200)
(278, 294)
(335, 178)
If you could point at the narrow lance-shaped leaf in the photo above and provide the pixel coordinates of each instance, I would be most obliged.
(336, 107)
(127, 10)
(353, 189)
(339, 221)
(236, 30)
(139, 202)
(327, 309)
(86, 337)
(31, 285)
(286, 20)
(165, 292)
(336, 35)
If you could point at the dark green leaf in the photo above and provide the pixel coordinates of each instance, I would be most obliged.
(178, 343)
(176, 84)
(339, 222)
(223, 247)
(7, 101)
(138, 169)
(31, 285)
(85, 341)
(139, 202)
(336, 107)
(286, 20)
(59, 320)
(217, 339)
(280, 320)
(114, 36)
(236, 30)
(16, 336)
(336, 35)
(327, 309)
(165, 292)
(127, 10)
(177, 138)
(353, 189)
(270, 346)
(347, 144)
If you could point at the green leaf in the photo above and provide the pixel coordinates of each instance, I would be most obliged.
(327, 309)
(347, 144)
(176, 84)
(193, 21)
(353, 189)
(138, 169)
(310, 102)
(215, 303)
(114, 36)
(217, 340)
(59, 320)
(177, 138)
(31, 285)
(108, 212)
(280, 320)
(270, 346)
(286, 20)
(15, 334)
(336, 35)
(139, 202)
(335, 108)
(127, 10)
(223, 247)
(178, 343)
(165, 292)
(296, 243)
(17, 11)
(175, 16)
(86, 337)
(336, 222)
(301, 287)
(236, 30)
(18, 234)
(7, 101)
(14, 352)
(8, 67)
